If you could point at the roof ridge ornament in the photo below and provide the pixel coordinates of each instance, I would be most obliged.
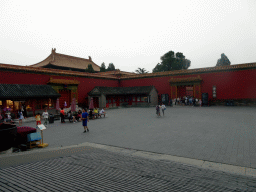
(90, 59)
(53, 52)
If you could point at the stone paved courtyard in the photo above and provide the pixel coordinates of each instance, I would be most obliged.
(93, 169)
(217, 134)
(74, 162)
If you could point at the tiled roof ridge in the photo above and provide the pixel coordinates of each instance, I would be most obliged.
(70, 56)
(58, 71)
(122, 87)
(52, 59)
(188, 71)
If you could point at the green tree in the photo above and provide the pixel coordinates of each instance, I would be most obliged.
(103, 67)
(141, 70)
(111, 67)
(223, 61)
(171, 61)
(90, 69)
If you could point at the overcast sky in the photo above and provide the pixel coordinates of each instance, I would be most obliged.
(130, 34)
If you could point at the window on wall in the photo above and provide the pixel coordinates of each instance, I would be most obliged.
(138, 98)
(133, 98)
(17, 105)
(9, 104)
(1, 103)
(38, 104)
(144, 99)
(45, 103)
(29, 105)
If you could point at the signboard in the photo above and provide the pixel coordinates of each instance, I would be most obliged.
(214, 91)
(41, 127)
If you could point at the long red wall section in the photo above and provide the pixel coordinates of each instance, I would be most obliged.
(230, 84)
(85, 86)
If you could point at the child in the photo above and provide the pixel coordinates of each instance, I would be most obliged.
(85, 119)
(20, 117)
(38, 119)
(45, 116)
(200, 102)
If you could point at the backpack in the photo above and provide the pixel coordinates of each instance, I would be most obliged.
(157, 107)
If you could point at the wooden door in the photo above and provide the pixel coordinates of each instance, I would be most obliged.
(96, 102)
(65, 96)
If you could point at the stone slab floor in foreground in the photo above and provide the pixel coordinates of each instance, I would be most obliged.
(92, 169)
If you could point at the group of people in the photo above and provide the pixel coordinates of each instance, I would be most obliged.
(95, 113)
(75, 117)
(187, 100)
(5, 118)
(45, 116)
(72, 116)
(159, 108)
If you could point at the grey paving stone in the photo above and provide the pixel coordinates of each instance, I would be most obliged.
(200, 133)
(102, 170)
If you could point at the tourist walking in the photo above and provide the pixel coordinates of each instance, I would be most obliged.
(20, 117)
(62, 115)
(163, 108)
(158, 110)
(85, 119)
(24, 110)
(45, 116)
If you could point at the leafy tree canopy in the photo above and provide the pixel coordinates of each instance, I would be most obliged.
(171, 61)
(111, 67)
(141, 71)
(103, 67)
(223, 61)
(90, 69)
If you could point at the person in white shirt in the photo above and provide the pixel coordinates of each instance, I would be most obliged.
(163, 108)
(45, 116)
(102, 112)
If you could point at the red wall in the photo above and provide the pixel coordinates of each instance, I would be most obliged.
(235, 85)
(230, 85)
(85, 86)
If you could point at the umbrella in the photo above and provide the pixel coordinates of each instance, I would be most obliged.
(73, 105)
(58, 104)
(91, 104)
